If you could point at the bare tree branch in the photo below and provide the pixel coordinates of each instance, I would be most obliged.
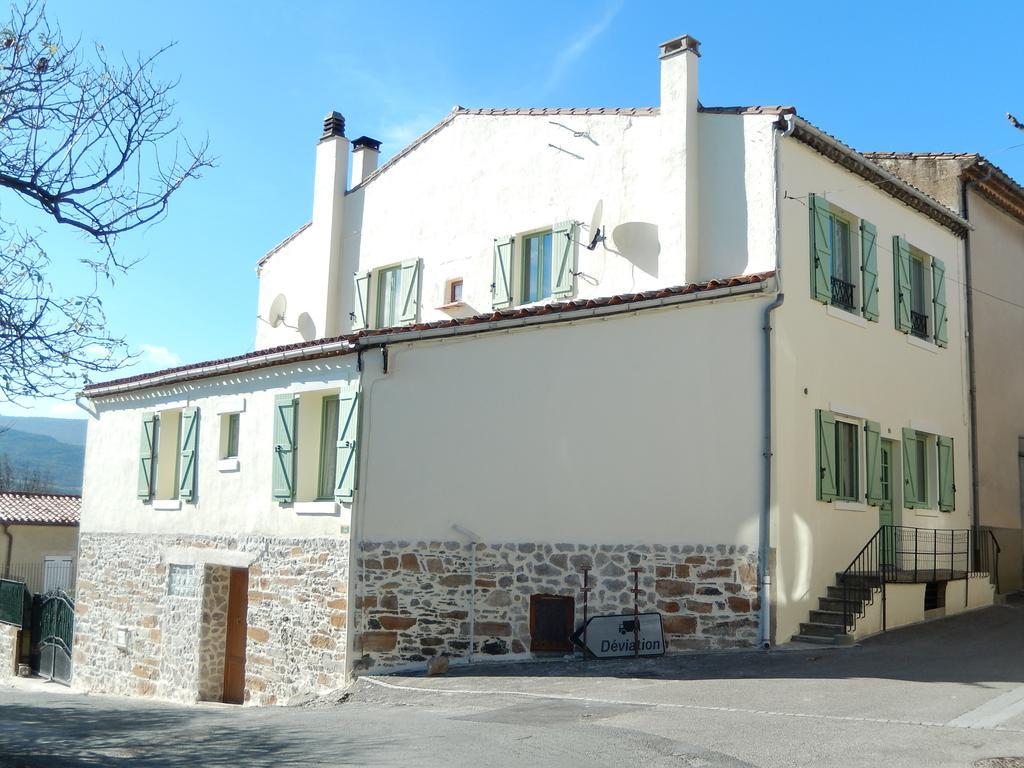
(93, 143)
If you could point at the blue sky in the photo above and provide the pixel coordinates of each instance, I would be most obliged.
(258, 77)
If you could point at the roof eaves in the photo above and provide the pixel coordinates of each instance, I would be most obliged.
(283, 243)
(838, 152)
(342, 345)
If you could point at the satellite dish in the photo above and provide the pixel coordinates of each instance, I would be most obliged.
(277, 309)
(595, 231)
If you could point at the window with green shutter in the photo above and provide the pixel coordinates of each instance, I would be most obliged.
(915, 469)
(869, 270)
(328, 447)
(947, 484)
(284, 444)
(875, 491)
(189, 451)
(147, 456)
(825, 454)
(939, 302)
(844, 268)
(901, 284)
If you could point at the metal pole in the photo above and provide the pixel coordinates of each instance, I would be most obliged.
(585, 589)
(636, 610)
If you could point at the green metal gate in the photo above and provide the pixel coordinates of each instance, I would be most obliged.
(53, 629)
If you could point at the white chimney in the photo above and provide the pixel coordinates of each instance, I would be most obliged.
(365, 155)
(678, 116)
(329, 181)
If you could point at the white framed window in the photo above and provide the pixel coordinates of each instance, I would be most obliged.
(387, 296)
(230, 428)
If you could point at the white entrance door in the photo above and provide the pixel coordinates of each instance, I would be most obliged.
(57, 572)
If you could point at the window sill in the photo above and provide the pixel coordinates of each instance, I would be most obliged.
(166, 505)
(453, 305)
(847, 315)
(849, 506)
(926, 512)
(228, 465)
(316, 508)
(914, 341)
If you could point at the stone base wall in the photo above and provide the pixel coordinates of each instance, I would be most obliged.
(8, 651)
(213, 632)
(296, 617)
(414, 598)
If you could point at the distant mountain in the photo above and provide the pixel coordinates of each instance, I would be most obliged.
(55, 447)
(70, 431)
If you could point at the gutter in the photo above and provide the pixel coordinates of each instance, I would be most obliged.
(10, 549)
(370, 340)
(971, 374)
(764, 575)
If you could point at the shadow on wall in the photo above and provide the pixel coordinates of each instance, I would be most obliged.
(638, 242)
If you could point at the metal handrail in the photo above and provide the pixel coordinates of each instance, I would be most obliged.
(906, 555)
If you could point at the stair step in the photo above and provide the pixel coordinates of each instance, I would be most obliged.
(853, 593)
(838, 604)
(816, 640)
(861, 580)
(832, 618)
(820, 630)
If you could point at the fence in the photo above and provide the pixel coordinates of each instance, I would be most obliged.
(42, 577)
(12, 602)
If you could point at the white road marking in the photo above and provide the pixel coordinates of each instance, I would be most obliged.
(992, 713)
(697, 707)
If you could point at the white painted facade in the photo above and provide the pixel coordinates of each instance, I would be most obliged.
(618, 429)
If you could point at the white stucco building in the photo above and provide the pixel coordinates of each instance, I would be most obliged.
(709, 349)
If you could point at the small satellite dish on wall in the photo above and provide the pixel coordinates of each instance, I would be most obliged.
(277, 310)
(595, 232)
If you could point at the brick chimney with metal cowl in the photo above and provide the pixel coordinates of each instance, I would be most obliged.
(330, 179)
(680, 195)
(365, 156)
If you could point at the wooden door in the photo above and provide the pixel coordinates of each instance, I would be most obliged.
(234, 646)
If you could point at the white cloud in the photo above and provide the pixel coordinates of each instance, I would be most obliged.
(63, 410)
(580, 46)
(159, 356)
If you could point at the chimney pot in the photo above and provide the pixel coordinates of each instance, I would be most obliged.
(678, 45)
(334, 125)
(366, 141)
(365, 153)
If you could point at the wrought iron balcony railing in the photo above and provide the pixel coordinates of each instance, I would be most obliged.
(919, 324)
(842, 294)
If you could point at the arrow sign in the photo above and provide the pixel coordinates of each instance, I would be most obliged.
(610, 637)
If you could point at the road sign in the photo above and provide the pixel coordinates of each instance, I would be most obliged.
(610, 637)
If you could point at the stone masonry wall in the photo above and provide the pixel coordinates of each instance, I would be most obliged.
(8, 651)
(414, 598)
(213, 632)
(296, 617)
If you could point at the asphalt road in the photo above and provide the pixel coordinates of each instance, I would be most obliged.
(948, 693)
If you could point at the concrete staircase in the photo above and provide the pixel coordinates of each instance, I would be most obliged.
(826, 626)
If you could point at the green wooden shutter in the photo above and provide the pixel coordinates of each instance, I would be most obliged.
(147, 453)
(361, 300)
(501, 288)
(911, 482)
(187, 464)
(563, 243)
(286, 409)
(901, 283)
(869, 269)
(348, 446)
(821, 253)
(873, 449)
(826, 455)
(410, 291)
(939, 301)
(947, 486)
